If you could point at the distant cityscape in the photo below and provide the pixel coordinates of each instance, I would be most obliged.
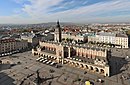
(100, 51)
(64, 42)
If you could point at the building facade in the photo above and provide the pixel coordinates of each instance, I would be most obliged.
(91, 59)
(9, 45)
(121, 40)
(32, 39)
(73, 37)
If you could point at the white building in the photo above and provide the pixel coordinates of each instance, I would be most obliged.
(77, 37)
(120, 40)
(106, 37)
(9, 45)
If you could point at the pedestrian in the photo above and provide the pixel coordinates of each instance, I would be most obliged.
(65, 79)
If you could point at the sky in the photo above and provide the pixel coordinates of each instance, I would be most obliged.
(76, 11)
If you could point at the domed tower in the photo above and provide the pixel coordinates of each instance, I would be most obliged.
(58, 33)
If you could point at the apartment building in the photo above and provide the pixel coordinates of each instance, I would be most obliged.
(120, 40)
(77, 37)
(32, 39)
(9, 45)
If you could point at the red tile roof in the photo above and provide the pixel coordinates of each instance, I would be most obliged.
(7, 40)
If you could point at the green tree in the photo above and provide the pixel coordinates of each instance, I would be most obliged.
(128, 32)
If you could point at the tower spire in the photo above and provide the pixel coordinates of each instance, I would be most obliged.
(59, 31)
(58, 24)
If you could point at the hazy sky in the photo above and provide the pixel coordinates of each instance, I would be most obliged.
(79, 11)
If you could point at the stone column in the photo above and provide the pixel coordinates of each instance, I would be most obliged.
(69, 52)
(62, 57)
(107, 71)
(33, 51)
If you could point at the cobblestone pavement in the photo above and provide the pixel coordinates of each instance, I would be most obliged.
(25, 66)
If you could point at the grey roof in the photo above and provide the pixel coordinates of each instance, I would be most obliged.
(15, 36)
(121, 35)
(106, 34)
(27, 35)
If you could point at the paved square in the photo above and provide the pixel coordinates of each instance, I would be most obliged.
(24, 73)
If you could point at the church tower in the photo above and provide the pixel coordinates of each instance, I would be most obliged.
(58, 33)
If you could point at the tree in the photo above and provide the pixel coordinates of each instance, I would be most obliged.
(67, 39)
(71, 40)
(63, 39)
(128, 32)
